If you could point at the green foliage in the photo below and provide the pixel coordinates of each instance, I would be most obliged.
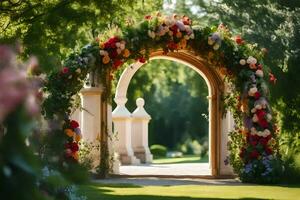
(179, 94)
(291, 163)
(158, 150)
(53, 29)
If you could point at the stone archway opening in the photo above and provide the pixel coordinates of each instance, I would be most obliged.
(132, 129)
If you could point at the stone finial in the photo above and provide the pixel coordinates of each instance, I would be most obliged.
(140, 102)
(140, 111)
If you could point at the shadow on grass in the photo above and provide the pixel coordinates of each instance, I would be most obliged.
(96, 192)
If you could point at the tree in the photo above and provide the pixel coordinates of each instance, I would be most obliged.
(52, 29)
(274, 25)
(176, 100)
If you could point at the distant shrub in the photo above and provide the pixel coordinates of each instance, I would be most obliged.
(291, 172)
(158, 150)
(193, 147)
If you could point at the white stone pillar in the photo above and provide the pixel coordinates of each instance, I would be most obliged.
(122, 128)
(227, 126)
(90, 116)
(139, 138)
(115, 162)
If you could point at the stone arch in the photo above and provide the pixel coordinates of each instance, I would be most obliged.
(253, 142)
(213, 79)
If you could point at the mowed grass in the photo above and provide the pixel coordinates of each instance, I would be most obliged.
(184, 159)
(96, 191)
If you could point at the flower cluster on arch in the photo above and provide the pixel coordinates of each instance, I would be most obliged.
(253, 143)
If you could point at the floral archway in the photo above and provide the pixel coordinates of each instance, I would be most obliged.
(253, 144)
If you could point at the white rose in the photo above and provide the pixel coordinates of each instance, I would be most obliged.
(253, 131)
(216, 46)
(259, 73)
(192, 36)
(251, 60)
(243, 62)
(269, 117)
(260, 133)
(266, 133)
(102, 52)
(105, 53)
(151, 34)
(118, 44)
(258, 107)
(253, 110)
(122, 46)
(255, 118)
(119, 51)
(252, 91)
(78, 71)
(210, 41)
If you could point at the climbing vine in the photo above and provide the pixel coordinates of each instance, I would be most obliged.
(253, 144)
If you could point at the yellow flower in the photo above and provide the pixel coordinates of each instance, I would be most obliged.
(179, 34)
(101, 45)
(69, 132)
(126, 53)
(105, 59)
(77, 138)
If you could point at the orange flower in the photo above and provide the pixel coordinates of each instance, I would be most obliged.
(126, 53)
(101, 45)
(105, 59)
(69, 132)
(183, 43)
(223, 70)
(178, 34)
(77, 138)
(75, 155)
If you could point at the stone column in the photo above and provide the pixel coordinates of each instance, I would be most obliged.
(227, 126)
(139, 138)
(122, 128)
(90, 121)
(90, 117)
(115, 162)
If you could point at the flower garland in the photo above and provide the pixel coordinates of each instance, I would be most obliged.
(253, 144)
(73, 131)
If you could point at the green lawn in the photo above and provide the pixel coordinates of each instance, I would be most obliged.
(188, 192)
(184, 159)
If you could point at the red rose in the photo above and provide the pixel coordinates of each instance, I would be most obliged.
(111, 43)
(74, 124)
(239, 40)
(148, 17)
(268, 151)
(65, 70)
(113, 54)
(142, 60)
(260, 114)
(253, 142)
(172, 45)
(73, 146)
(259, 66)
(257, 95)
(263, 123)
(272, 78)
(117, 63)
(263, 141)
(254, 154)
(174, 29)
